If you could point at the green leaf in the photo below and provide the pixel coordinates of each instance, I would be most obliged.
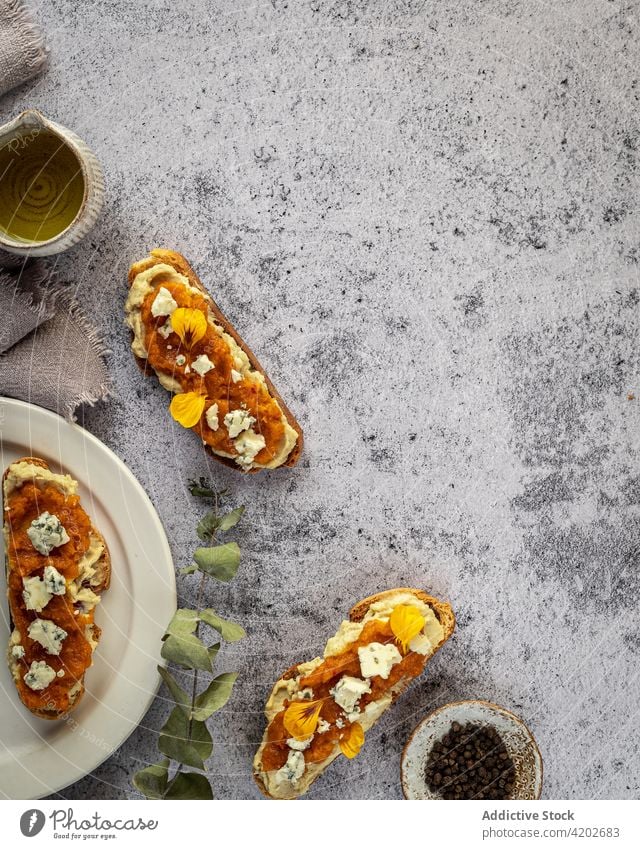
(184, 622)
(212, 522)
(230, 519)
(189, 785)
(213, 652)
(189, 570)
(187, 651)
(229, 631)
(175, 744)
(180, 697)
(208, 525)
(220, 562)
(152, 780)
(202, 489)
(215, 696)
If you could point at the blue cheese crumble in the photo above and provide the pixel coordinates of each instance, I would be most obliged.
(299, 745)
(165, 331)
(202, 365)
(348, 691)
(212, 416)
(292, 771)
(248, 444)
(238, 420)
(39, 676)
(48, 634)
(377, 659)
(54, 582)
(164, 303)
(46, 533)
(35, 594)
(306, 694)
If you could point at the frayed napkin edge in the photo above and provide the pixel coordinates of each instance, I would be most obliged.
(105, 388)
(42, 310)
(29, 35)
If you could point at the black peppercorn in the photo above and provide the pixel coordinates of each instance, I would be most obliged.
(470, 762)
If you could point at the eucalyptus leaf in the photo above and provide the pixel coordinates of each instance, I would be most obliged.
(152, 780)
(203, 489)
(187, 651)
(189, 570)
(189, 785)
(215, 696)
(230, 631)
(230, 519)
(208, 525)
(180, 697)
(220, 561)
(184, 621)
(174, 740)
(213, 652)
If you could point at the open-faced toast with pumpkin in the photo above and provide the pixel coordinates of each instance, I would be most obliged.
(220, 389)
(57, 564)
(323, 708)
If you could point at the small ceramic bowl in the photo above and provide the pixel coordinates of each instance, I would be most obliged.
(516, 736)
(23, 128)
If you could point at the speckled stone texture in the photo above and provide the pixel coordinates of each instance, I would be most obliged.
(421, 217)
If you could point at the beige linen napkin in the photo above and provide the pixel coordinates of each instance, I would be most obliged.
(50, 353)
(22, 50)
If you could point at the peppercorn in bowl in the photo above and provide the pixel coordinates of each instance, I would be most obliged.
(471, 750)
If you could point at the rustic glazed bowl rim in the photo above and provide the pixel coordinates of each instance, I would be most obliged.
(492, 707)
(70, 144)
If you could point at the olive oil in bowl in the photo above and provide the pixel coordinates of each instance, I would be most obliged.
(42, 187)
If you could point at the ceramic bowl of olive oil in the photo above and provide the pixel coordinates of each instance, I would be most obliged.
(51, 186)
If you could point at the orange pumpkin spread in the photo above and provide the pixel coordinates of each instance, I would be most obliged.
(234, 413)
(23, 505)
(322, 680)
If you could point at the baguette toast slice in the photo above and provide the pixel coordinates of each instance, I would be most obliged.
(295, 684)
(174, 378)
(29, 488)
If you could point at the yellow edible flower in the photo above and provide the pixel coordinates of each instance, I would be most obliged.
(301, 719)
(189, 324)
(351, 745)
(187, 408)
(406, 623)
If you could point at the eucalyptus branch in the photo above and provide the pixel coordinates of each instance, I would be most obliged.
(185, 739)
(194, 684)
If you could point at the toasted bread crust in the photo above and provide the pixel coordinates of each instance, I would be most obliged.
(159, 256)
(445, 616)
(104, 569)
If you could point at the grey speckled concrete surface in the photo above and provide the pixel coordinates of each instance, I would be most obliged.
(422, 217)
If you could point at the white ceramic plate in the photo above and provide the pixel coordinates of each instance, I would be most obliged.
(38, 757)
(516, 736)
